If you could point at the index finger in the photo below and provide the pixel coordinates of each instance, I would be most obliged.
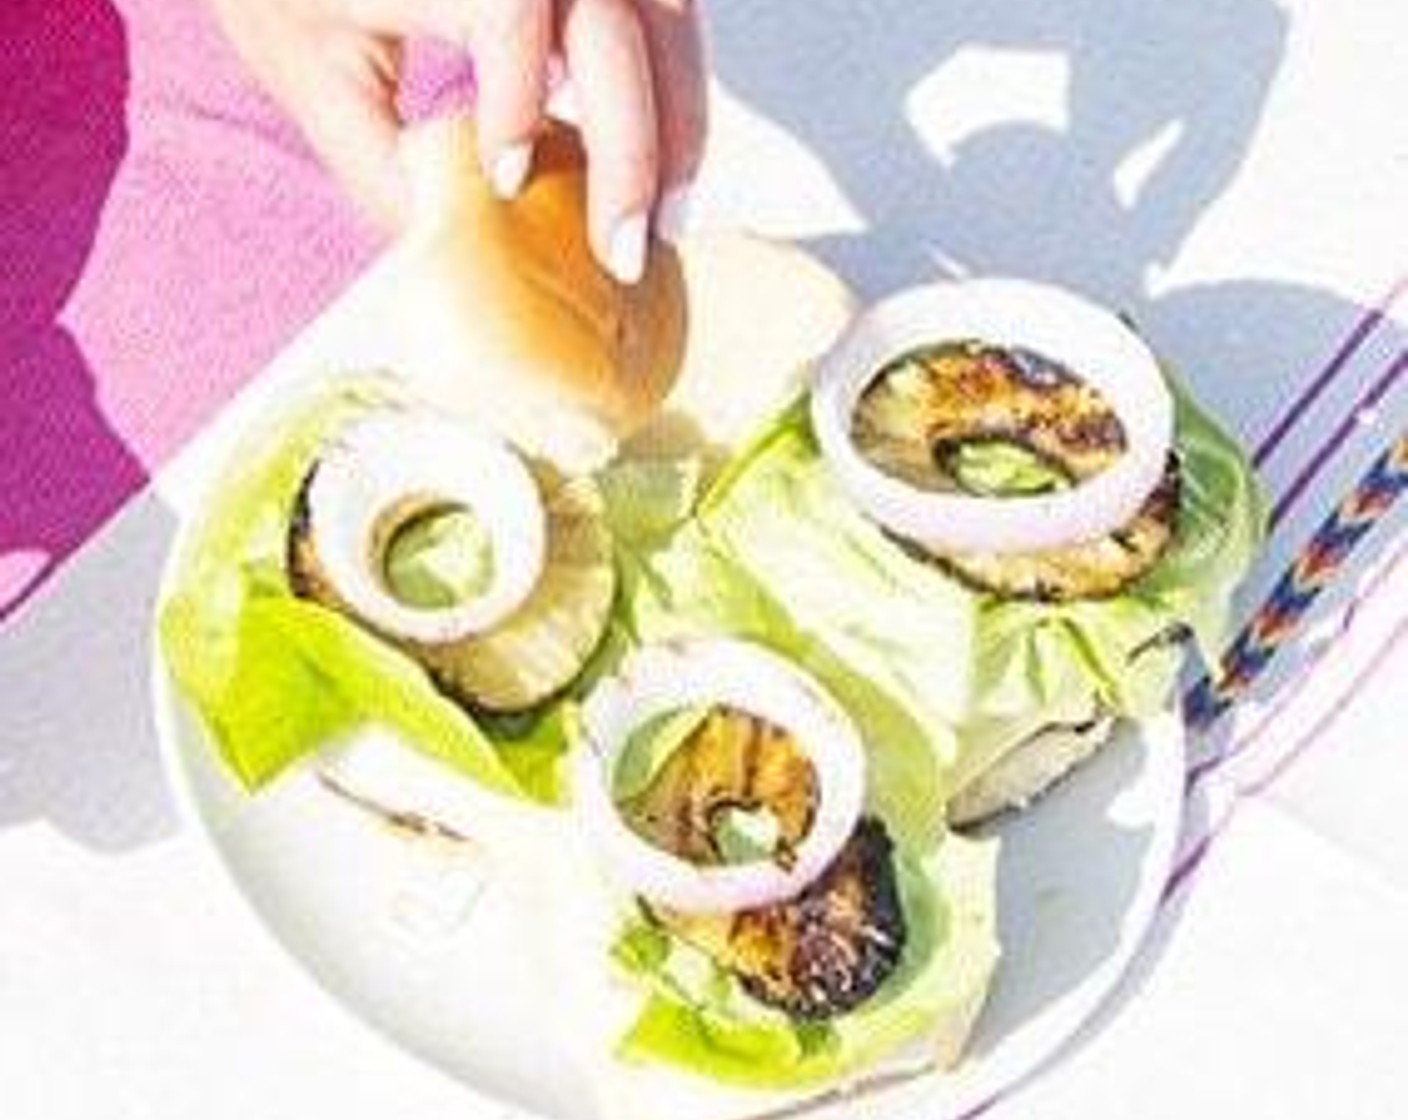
(606, 54)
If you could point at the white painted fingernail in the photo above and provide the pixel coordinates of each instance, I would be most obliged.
(510, 170)
(626, 255)
(672, 214)
(563, 104)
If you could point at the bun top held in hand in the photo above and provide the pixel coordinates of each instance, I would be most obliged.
(506, 314)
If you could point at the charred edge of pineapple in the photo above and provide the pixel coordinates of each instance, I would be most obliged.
(1018, 578)
(823, 953)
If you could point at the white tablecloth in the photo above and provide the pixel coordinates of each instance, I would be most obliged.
(1234, 172)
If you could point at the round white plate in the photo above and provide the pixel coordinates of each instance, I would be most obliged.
(415, 939)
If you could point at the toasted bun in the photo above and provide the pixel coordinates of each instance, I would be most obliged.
(504, 302)
(761, 313)
(1027, 771)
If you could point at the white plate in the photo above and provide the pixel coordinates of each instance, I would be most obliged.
(412, 940)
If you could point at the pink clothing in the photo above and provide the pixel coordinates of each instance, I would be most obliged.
(163, 232)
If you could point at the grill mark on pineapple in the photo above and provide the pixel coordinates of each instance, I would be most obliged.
(945, 396)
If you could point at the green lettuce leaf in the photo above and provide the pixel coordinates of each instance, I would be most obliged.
(788, 565)
(1221, 526)
(648, 499)
(933, 653)
(1001, 468)
(650, 746)
(693, 588)
(440, 559)
(698, 1018)
(1046, 663)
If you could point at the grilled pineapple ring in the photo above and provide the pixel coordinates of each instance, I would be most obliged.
(732, 761)
(824, 952)
(542, 646)
(926, 411)
(814, 956)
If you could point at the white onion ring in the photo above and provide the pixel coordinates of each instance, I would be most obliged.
(1088, 340)
(389, 457)
(737, 674)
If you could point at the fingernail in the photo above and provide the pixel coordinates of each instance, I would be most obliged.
(626, 255)
(672, 214)
(563, 104)
(510, 170)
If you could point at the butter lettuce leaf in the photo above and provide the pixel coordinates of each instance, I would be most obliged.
(697, 1017)
(934, 653)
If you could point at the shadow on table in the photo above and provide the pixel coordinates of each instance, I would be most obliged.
(1151, 952)
(1069, 872)
(76, 742)
(1159, 103)
(80, 749)
(1146, 112)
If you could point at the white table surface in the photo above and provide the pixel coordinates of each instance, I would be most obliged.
(1234, 172)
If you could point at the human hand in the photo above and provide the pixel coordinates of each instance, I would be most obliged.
(636, 67)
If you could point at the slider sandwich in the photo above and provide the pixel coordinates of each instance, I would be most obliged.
(997, 459)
